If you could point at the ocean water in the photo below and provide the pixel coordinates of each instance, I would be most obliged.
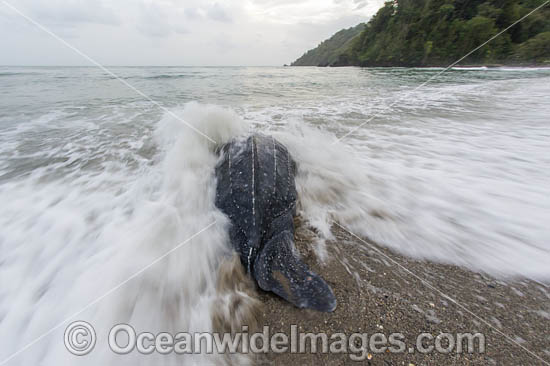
(97, 183)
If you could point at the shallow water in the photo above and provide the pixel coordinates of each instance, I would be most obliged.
(96, 183)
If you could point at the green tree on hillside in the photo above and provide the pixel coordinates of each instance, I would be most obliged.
(439, 32)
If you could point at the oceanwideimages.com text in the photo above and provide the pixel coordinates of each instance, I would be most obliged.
(80, 339)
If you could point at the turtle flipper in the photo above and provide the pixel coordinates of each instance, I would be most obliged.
(278, 269)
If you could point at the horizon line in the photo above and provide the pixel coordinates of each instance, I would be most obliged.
(61, 65)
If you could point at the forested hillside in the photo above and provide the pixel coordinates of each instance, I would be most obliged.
(439, 32)
(329, 51)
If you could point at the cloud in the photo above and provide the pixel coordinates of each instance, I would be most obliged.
(175, 32)
(164, 19)
(152, 21)
(218, 13)
(361, 5)
(193, 13)
(158, 21)
(311, 11)
(69, 12)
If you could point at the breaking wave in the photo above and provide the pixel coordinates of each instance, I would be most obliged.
(93, 194)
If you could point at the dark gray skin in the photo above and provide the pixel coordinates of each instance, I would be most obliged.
(256, 190)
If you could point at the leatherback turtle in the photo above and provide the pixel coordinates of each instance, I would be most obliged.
(256, 190)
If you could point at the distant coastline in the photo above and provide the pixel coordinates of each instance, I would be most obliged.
(442, 66)
(428, 34)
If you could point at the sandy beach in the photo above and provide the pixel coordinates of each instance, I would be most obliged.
(379, 291)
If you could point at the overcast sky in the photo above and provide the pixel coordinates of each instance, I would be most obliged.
(173, 32)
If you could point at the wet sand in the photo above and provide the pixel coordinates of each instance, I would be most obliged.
(376, 293)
